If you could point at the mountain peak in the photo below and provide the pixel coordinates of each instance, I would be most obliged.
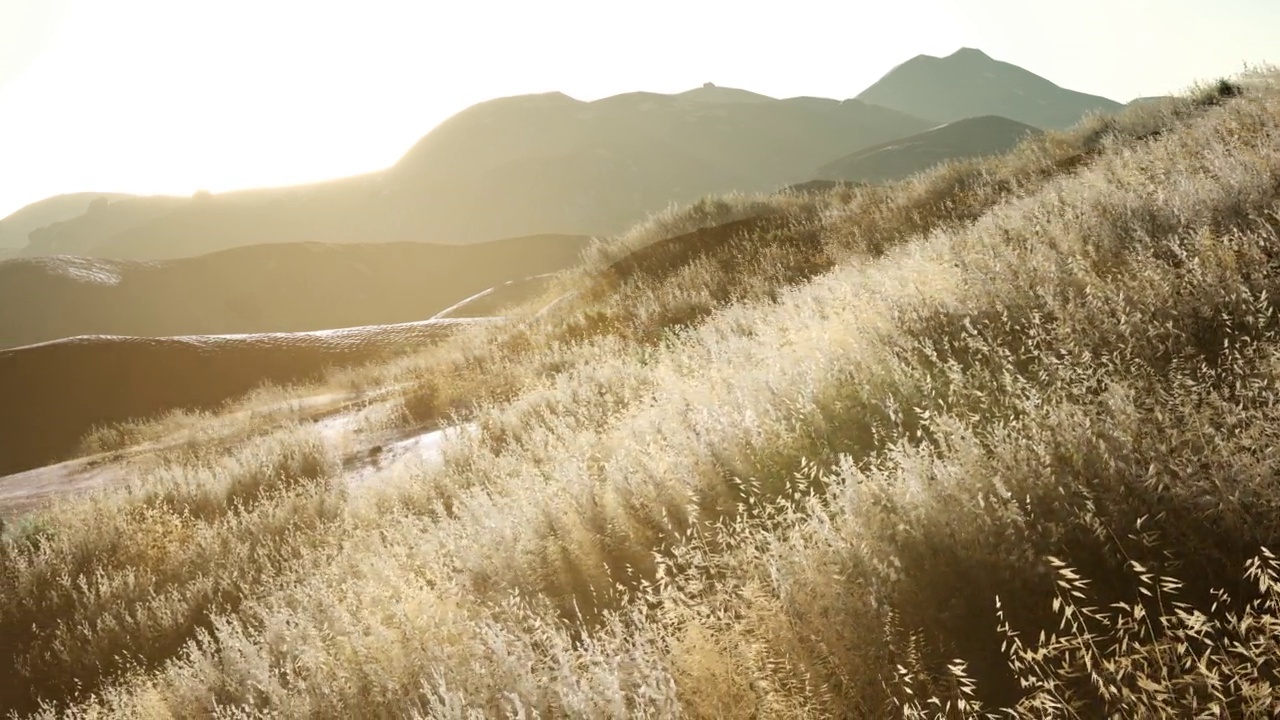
(969, 83)
(710, 92)
(969, 53)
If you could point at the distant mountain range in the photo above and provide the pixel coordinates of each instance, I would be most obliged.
(509, 167)
(548, 163)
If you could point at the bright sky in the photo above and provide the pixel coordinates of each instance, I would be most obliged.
(172, 96)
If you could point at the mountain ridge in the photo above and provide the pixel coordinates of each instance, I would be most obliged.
(550, 163)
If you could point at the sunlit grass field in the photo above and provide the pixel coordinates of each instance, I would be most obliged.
(1000, 440)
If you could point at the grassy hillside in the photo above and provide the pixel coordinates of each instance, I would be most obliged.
(86, 383)
(991, 438)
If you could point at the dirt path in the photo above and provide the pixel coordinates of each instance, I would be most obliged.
(25, 491)
(364, 457)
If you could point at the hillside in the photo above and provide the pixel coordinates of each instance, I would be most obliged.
(969, 83)
(997, 440)
(897, 159)
(261, 288)
(95, 381)
(15, 228)
(509, 167)
(1149, 99)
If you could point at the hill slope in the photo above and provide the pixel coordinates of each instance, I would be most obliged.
(261, 288)
(969, 83)
(84, 382)
(896, 159)
(1000, 435)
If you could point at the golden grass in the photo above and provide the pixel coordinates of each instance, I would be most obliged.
(858, 465)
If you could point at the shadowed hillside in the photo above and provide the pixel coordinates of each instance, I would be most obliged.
(262, 288)
(896, 159)
(15, 228)
(969, 83)
(513, 166)
(56, 392)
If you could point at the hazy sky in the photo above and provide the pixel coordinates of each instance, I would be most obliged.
(171, 96)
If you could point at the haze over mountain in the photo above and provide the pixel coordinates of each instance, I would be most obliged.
(969, 83)
(548, 163)
(513, 166)
(100, 220)
(15, 227)
(897, 159)
(263, 288)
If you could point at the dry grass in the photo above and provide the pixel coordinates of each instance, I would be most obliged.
(858, 465)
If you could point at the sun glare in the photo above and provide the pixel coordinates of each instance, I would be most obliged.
(156, 96)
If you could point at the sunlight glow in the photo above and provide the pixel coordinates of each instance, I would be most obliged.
(169, 96)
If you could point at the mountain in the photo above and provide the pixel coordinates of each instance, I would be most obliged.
(548, 163)
(513, 166)
(15, 228)
(261, 288)
(897, 159)
(969, 83)
(80, 234)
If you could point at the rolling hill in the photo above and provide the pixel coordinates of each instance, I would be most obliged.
(897, 159)
(56, 392)
(262, 288)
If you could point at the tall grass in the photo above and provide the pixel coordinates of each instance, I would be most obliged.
(993, 441)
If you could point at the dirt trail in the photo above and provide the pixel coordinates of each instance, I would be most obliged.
(364, 455)
(23, 491)
(26, 488)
